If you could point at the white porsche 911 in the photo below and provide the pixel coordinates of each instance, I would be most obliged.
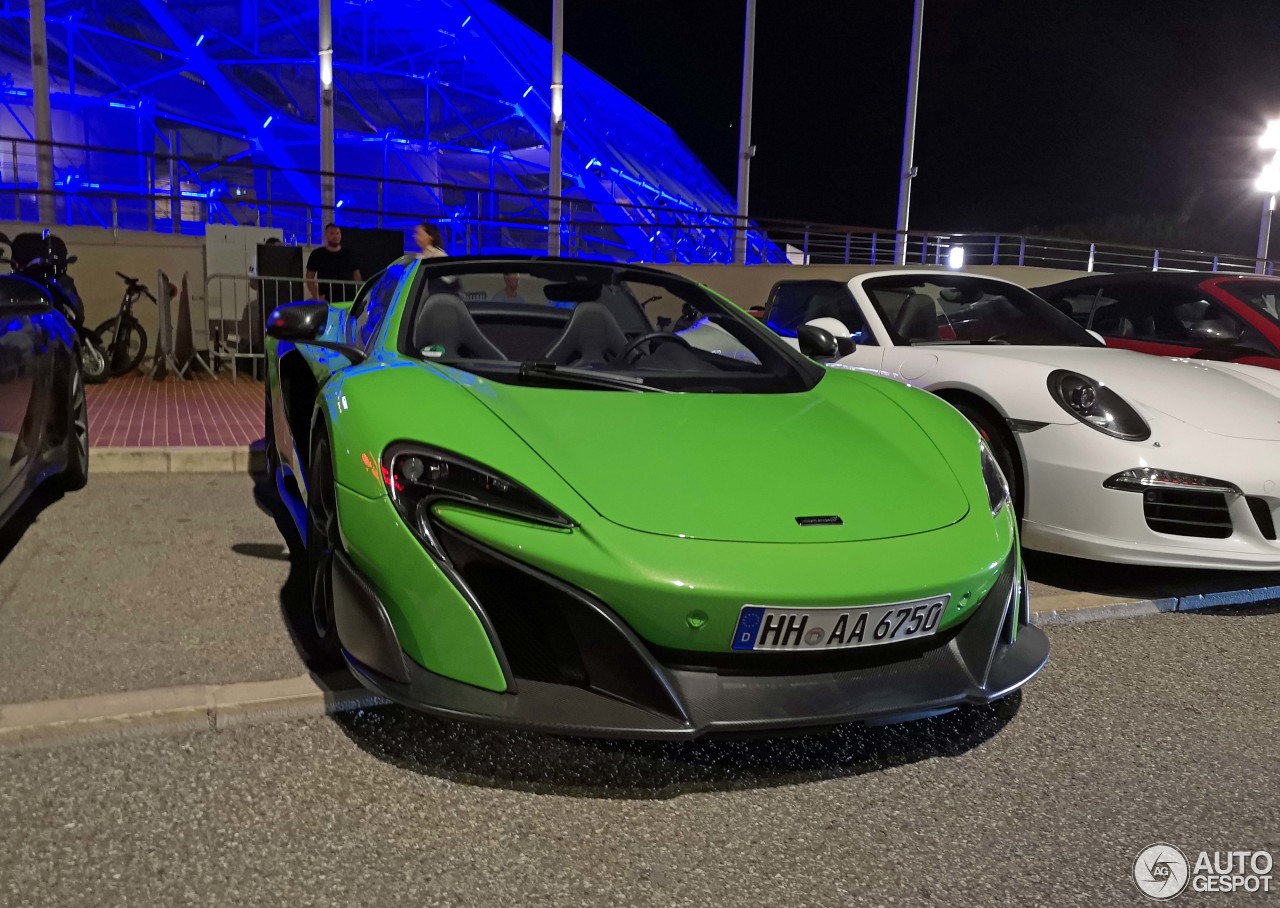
(1110, 454)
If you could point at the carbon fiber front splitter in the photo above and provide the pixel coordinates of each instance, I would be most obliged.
(991, 655)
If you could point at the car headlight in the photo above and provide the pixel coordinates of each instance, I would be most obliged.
(417, 477)
(997, 485)
(1097, 406)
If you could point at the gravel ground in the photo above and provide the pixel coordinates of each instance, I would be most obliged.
(1154, 729)
(142, 581)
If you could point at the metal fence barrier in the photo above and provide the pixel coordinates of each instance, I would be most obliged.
(237, 307)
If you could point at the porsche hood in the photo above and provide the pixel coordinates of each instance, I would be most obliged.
(811, 467)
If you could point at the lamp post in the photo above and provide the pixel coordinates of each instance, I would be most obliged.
(908, 172)
(555, 186)
(1269, 182)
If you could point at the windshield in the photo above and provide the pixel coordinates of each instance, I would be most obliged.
(961, 309)
(1261, 296)
(594, 326)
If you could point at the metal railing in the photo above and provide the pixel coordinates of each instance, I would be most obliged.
(237, 306)
(101, 187)
(832, 244)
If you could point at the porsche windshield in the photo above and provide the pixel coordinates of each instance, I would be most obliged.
(593, 326)
(959, 309)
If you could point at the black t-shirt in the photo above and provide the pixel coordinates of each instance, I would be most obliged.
(333, 266)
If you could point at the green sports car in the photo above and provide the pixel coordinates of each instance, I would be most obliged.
(599, 499)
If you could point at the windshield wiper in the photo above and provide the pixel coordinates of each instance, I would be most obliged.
(571, 376)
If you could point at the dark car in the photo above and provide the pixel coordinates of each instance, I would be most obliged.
(44, 429)
(1193, 314)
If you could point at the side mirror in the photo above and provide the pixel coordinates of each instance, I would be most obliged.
(71, 260)
(817, 343)
(1213, 333)
(302, 323)
(298, 321)
(838, 330)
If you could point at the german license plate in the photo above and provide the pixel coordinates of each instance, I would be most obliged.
(762, 627)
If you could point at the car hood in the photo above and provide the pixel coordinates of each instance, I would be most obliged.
(741, 467)
(1191, 391)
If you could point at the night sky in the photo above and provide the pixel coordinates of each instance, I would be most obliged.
(1137, 118)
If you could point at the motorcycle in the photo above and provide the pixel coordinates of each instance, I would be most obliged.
(42, 258)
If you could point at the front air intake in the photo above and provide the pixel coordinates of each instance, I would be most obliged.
(552, 632)
(1261, 511)
(1185, 512)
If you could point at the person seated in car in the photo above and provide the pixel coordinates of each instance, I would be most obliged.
(510, 292)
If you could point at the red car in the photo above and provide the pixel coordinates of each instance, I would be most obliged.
(1194, 314)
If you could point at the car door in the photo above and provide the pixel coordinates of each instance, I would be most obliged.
(794, 303)
(24, 395)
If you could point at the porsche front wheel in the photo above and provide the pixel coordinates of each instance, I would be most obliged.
(996, 434)
(319, 636)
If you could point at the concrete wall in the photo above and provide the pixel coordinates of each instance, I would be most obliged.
(749, 285)
(101, 253)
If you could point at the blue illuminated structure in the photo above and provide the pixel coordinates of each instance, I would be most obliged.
(441, 112)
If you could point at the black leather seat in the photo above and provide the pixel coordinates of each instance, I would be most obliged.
(592, 336)
(444, 321)
(918, 319)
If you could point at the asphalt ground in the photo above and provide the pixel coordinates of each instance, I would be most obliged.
(142, 581)
(1156, 729)
(145, 581)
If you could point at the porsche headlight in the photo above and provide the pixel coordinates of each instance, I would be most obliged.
(997, 485)
(419, 477)
(1097, 406)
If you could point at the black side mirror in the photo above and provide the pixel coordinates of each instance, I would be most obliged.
(302, 323)
(817, 343)
(298, 321)
(1215, 333)
(845, 345)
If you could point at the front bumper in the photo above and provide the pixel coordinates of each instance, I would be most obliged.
(1070, 512)
(618, 686)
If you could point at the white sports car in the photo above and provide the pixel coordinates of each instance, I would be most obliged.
(1110, 454)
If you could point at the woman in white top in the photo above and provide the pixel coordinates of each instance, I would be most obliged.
(429, 240)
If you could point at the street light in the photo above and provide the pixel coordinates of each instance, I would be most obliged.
(1269, 182)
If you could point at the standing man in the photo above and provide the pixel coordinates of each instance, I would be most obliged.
(331, 262)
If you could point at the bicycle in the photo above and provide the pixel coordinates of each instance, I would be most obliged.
(122, 335)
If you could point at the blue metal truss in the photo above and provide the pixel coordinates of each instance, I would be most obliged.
(441, 111)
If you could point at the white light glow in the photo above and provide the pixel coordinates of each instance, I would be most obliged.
(326, 68)
(1269, 179)
(1271, 136)
(955, 257)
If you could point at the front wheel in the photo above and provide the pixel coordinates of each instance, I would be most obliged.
(996, 434)
(319, 636)
(125, 347)
(76, 473)
(270, 453)
(93, 358)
